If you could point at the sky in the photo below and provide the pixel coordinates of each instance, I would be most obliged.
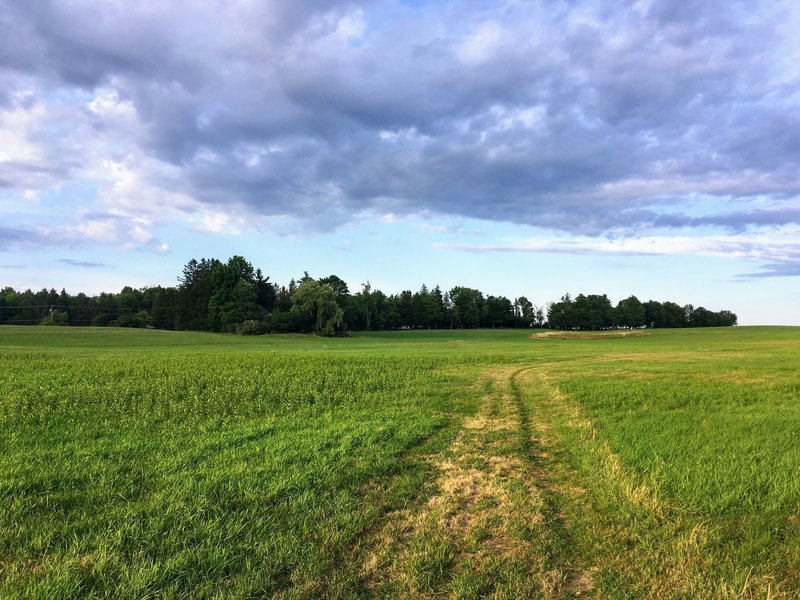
(647, 148)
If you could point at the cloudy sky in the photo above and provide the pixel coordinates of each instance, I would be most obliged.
(524, 148)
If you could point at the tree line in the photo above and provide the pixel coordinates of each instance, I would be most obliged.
(232, 296)
(595, 312)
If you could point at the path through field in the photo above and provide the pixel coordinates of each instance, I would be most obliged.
(430, 465)
(491, 524)
(517, 510)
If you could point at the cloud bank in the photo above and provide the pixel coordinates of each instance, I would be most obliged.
(600, 119)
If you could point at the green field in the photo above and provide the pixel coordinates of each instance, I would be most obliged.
(416, 464)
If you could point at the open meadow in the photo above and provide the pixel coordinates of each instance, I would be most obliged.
(416, 464)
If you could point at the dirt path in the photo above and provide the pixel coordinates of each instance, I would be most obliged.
(492, 525)
(530, 501)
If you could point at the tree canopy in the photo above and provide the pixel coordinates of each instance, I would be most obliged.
(315, 308)
(232, 296)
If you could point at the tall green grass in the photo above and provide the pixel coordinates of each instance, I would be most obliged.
(186, 473)
(172, 464)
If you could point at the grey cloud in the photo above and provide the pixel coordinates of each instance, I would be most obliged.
(780, 259)
(85, 44)
(20, 46)
(91, 229)
(582, 118)
(789, 268)
(736, 221)
(85, 264)
(15, 236)
(553, 248)
(33, 174)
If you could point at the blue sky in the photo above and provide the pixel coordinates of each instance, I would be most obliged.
(524, 148)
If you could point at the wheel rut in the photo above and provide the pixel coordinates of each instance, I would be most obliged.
(491, 525)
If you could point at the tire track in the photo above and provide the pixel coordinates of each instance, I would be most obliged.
(492, 525)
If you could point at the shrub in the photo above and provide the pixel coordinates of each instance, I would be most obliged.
(56, 317)
(250, 327)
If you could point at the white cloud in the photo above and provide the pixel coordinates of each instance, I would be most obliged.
(352, 25)
(307, 117)
(24, 114)
(482, 43)
(776, 245)
(107, 104)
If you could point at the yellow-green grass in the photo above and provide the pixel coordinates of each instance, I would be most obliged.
(399, 464)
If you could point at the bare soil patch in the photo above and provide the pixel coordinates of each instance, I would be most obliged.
(588, 335)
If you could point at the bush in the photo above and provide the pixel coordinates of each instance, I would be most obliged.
(57, 317)
(250, 327)
(280, 322)
(140, 320)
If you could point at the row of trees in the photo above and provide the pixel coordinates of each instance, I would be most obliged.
(153, 306)
(596, 312)
(233, 296)
(222, 296)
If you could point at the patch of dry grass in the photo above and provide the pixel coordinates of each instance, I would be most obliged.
(589, 335)
(484, 530)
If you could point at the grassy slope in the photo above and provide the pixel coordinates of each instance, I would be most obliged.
(406, 464)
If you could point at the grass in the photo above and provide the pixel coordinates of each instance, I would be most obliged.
(420, 464)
